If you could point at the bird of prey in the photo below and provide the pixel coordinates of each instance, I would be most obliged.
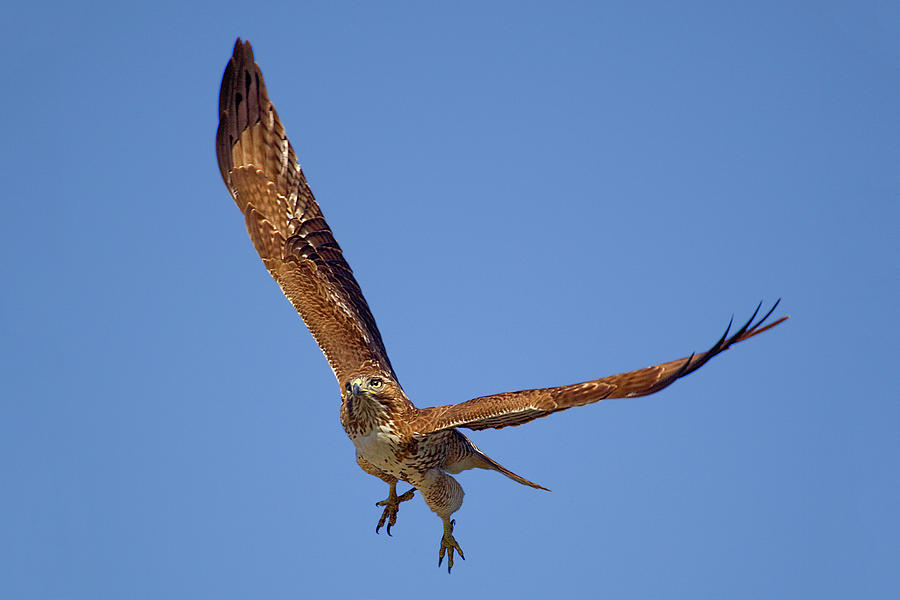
(395, 441)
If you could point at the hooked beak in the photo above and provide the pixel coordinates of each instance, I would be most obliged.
(354, 387)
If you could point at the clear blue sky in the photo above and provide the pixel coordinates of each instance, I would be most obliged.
(531, 194)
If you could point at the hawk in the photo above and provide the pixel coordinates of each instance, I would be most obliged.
(394, 440)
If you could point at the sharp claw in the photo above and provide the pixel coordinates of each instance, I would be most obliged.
(391, 506)
(449, 546)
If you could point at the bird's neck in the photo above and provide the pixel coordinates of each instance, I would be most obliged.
(365, 414)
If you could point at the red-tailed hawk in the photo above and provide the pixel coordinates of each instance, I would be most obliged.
(395, 441)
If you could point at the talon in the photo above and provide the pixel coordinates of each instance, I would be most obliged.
(381, 522)
(391, 506)
(449, 545)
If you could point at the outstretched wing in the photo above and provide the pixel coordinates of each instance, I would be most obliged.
(286, 225)
(517, 408)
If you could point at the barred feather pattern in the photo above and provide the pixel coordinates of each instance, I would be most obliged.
(517, 408)
(285, 223)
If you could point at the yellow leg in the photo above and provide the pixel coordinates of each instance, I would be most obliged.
(449, 544)
(391, 506)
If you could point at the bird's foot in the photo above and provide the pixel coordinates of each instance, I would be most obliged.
(448, 545)
(391, 506)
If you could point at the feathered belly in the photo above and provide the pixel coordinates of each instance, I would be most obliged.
(403, 458)
(382, 448)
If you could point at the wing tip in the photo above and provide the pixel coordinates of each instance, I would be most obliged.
(747, 331)
(243, 50)
(239, 101)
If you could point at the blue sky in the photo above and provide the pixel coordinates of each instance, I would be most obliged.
(531, 194)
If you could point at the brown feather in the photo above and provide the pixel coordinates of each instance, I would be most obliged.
(286, 225)
(517, 408)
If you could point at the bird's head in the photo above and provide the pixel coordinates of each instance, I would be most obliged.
(375, 390)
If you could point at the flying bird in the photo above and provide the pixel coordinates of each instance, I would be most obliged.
(395, 441)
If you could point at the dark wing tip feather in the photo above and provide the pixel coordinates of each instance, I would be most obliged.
(771, 325)
(239, 97)
(748, 330)
(684, 368)
(746, 326)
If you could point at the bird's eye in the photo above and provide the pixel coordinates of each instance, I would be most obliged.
(347, 387)
(375, 383)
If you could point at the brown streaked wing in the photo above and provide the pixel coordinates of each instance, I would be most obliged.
(284, 221)
(517, 408)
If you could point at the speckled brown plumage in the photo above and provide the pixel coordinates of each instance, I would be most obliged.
(394, 440)
(285, 223)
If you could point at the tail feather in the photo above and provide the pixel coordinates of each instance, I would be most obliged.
(476, 459)
(493, 464)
